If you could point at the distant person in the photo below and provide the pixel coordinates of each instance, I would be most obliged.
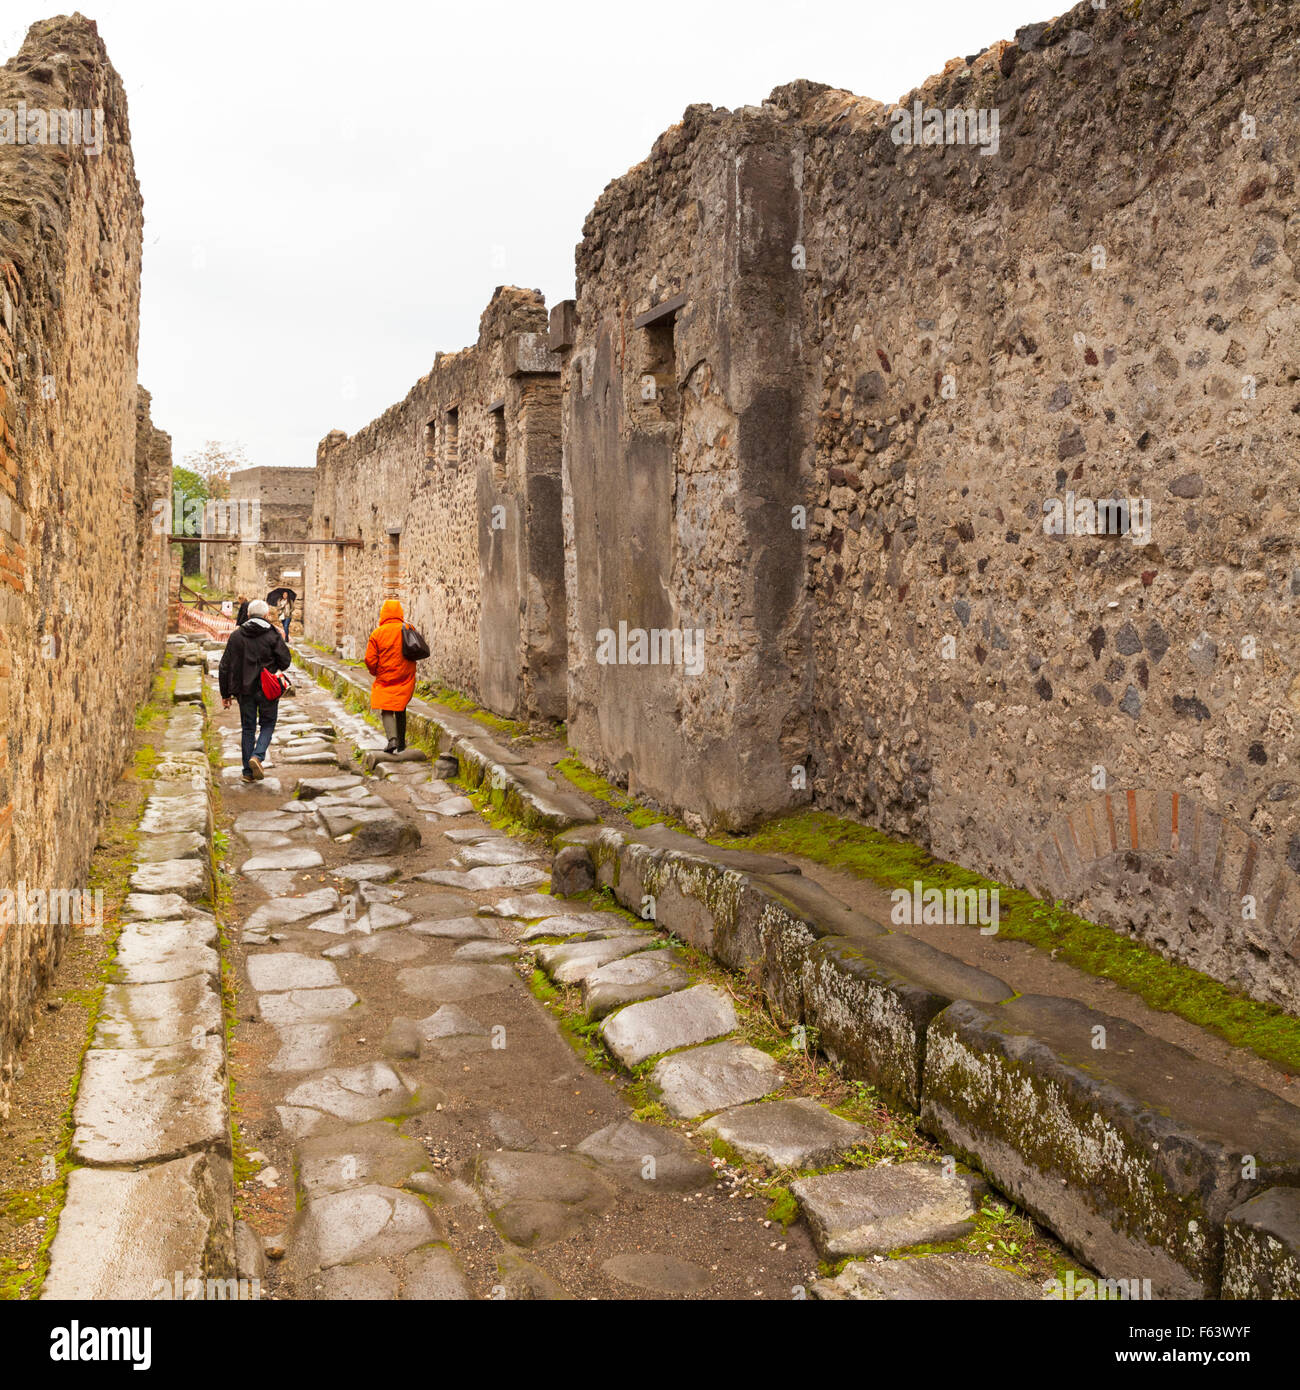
(281, 600)
(394, 674)
(254, 647)
(241, 613)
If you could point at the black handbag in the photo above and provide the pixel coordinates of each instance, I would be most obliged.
(414, 647)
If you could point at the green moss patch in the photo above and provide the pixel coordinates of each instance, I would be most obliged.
(1163, 984)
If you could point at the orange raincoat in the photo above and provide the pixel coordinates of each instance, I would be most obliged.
(394, 675)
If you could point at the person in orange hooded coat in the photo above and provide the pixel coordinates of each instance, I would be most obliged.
(394, 682)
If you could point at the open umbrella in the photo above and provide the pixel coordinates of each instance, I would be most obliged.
(274, 597)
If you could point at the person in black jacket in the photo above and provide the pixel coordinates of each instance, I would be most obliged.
(252, 649)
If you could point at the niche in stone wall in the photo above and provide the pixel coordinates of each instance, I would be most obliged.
(451, 437)
(655, 398)
(497, 415)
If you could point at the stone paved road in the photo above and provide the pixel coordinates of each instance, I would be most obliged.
(444, 1138)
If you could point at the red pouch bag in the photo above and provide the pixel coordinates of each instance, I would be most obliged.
(272, 685)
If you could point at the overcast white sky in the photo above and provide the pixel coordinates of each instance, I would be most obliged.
(333, 190)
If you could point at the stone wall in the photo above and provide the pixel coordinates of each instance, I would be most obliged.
(275, 506)
(1107, 308)
(454, 496)
(83, 558)
(933, 343)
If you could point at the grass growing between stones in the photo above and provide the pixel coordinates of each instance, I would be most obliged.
(1163, 984)
(592, 784)
(439, 694)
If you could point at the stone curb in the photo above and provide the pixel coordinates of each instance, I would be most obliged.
(524, 792)
(1017, 1086)
(153, 1195)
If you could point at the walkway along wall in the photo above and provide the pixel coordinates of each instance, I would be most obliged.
(962, 438)
(83, 566)
(946, 354)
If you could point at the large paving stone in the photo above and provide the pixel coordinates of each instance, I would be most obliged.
(572, 961)
(648, 1157)
(281, 911)
(435, 1275)
(694, 1015)
(870, 1211)
(480, 880)
(311, 787)
(474, 835)
(142, 1105)
(150, 953)
(527, 907)
(450, 1031)
(181, 844)
(1261, 1249)
(358, 1283)
(285, 970)
(294, 859)
(704, 1079)
(490, 951)
(646, 975)
(252, 821)
(576, 926)
(158, 1015)
(374, 831)
(935, 1278)
(458, 928)
(788, 1133)
(449, 984)
(187, 877)
(266, 839)
(536, 1199)
(366, 1223)
(177, 814)
(452, 806)
(364, 1155)
(1131, 1153)
(122, 1232)
(658, 1272)
(366, 873)
(305, 1005)
(275, 883)
(304, 1047)
(505, 852)
(159, 906)
(370, 1091)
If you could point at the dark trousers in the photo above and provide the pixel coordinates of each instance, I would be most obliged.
(252, 709)
(394, 721)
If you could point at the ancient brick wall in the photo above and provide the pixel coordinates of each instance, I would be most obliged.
(1106, 307)
(1100, 303)
(420, 487)
(83, 562)
(684, 434)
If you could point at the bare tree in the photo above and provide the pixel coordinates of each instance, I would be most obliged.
(215, 462)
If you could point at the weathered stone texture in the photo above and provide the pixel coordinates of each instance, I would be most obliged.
(83, 561)
(454, 494)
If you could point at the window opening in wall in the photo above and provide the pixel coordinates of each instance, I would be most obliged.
(451, 437)
(655, 388)
(497, 412)
(430, 443)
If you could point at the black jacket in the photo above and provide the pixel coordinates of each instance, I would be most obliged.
(250, 650)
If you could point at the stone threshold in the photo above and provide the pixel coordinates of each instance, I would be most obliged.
(526, 793)
(151, 1200)
(1146, 1162)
